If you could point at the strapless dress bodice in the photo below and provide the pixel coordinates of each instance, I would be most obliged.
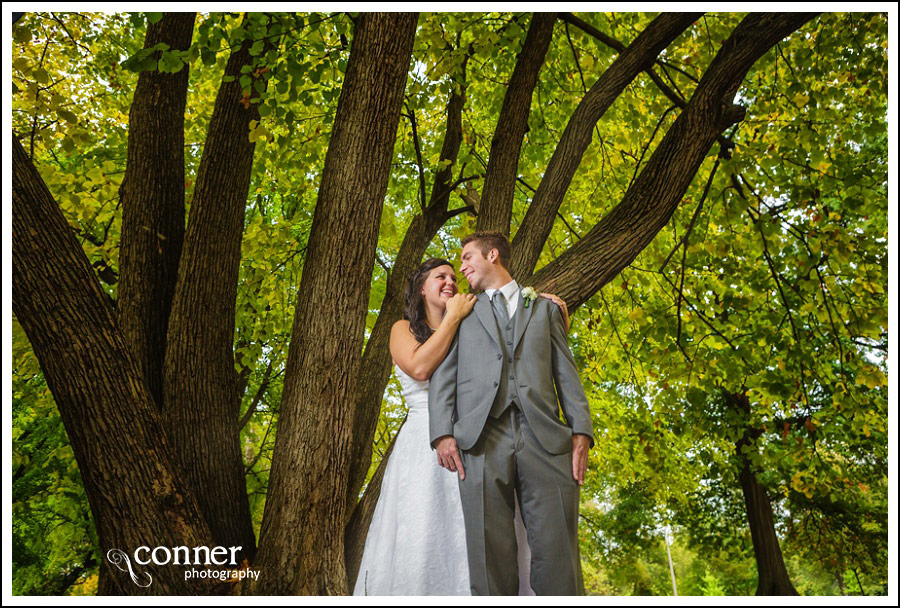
(415, 392)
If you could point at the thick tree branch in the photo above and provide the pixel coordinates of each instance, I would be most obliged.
(512, 123)
(649, 203)
(152, 199)
(201, 397)
(538, 222)
(615, 44)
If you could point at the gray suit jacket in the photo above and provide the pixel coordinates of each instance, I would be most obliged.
(465, 384)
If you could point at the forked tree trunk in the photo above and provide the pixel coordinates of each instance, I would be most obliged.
(639, 56)
(136, 491)
(302, 537)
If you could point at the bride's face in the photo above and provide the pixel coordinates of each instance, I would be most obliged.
(440, 285)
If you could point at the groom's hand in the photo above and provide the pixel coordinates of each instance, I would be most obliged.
(448, 455)
(580, 446)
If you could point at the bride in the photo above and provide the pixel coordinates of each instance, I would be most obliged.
(416, 541)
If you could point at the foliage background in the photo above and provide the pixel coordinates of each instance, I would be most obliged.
(780, 286)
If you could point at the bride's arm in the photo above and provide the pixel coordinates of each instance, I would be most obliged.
(420, 360)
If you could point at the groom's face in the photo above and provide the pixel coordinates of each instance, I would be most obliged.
(475, 266)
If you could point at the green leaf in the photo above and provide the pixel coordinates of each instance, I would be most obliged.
(68, 116)
(22, 35)
(22, 64)
(40, 75)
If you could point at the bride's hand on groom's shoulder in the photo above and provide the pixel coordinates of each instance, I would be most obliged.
(460, 305)
(561, 303)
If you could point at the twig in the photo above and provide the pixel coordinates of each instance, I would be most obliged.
(415, 136)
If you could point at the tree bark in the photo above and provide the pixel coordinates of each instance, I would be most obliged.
(202, 402)
(152, 198)
(136, 492)
(302, 536)
(639, 56)
(773, 578)
(376, 362)
(500, 178)
(648, 204)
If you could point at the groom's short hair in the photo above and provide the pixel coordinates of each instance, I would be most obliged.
(487, 240)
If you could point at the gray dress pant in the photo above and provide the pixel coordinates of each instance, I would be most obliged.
(508, 457)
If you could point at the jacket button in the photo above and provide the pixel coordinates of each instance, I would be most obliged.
(496, 384)
(499, 356)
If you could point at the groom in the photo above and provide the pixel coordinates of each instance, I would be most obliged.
(494, 418)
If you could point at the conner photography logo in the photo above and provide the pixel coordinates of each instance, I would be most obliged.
(204, 558)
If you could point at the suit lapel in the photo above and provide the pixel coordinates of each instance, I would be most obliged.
(485, 314)
(522, 317)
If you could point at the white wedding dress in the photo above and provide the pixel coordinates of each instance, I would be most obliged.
(416, 544)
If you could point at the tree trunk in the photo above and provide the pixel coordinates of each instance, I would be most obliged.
(773, 576)
(648, 205)
(152, 198)
(500, 178)
(202, 403)
(376, 362)
(639, 56)
(302, 536)
(136, 492)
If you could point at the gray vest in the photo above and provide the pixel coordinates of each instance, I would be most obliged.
(507, 393)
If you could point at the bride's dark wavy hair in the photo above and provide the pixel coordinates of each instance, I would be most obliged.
(415, 303)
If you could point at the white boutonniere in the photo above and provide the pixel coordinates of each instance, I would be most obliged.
(529, 295)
